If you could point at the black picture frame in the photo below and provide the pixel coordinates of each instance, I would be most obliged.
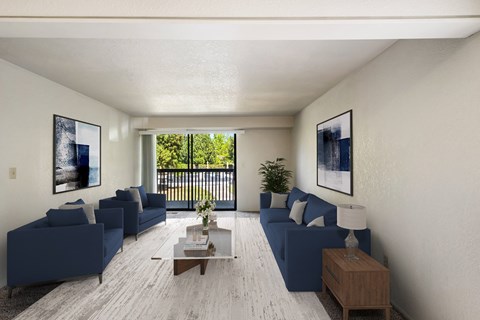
(335, 153)
(77, 157)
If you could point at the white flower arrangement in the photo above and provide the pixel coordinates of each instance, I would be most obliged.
(204, 208)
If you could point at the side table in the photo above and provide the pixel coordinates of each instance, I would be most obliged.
(356, 284)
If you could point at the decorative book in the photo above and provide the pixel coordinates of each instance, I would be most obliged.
(200, 242)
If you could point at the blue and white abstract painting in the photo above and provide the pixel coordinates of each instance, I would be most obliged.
(334, 153)
(77, 154)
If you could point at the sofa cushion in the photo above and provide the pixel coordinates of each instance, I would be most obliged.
(143, 196)
(279, 200)
(277, 236)
(78, 201)
(123, 195)
(317, 222)
(317, 207)
(43, 223)
(136, 197)
(296, 214)
(275, 215)
(111, 238)
(87, 207)
(296, 194)
(149, 213)
(63, 217)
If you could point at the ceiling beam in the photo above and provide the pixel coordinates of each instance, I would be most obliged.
(213, 123)
(241, 29)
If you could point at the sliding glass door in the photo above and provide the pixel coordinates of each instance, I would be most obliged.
(191, 167)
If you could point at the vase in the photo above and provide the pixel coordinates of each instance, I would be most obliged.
(205, 223)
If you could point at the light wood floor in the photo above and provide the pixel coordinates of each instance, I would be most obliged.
(136, 287)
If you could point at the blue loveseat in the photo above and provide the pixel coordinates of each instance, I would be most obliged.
(38, 252)
(154, 212)
(298, 248)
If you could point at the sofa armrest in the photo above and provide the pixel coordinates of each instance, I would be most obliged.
(53, 253)
(313, 240)
(157, 200)
(301, 243)
(111, 218)
(303, 252)
(127, 206)
(265, 200)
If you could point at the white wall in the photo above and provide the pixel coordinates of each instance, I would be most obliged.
(416, 112)
(265, 138)
(253, 148)
(27, 103)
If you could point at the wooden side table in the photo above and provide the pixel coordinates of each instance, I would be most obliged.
(356, 284)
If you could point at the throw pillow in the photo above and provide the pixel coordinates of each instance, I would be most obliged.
(136, 197)
(123, 195)
(316, 208)
(88, 208)
(318, 222)
(78, 201)
(70, 217)
(143, 196)
(296, 214)
(296, 194)
(279, 200)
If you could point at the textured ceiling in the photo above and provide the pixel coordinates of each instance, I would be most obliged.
(215, 57)
(169, 77)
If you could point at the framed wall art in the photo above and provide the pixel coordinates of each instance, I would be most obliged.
(77, 157)
(334, 153)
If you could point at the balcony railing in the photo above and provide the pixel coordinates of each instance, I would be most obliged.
(185, 187)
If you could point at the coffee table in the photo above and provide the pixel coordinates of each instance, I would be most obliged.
(221, 235)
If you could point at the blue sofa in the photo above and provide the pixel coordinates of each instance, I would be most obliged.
(38, 252)
(154, 212)
(298, 248)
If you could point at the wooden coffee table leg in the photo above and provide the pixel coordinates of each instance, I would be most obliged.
(345, 313)
(180, 266)
(203, 266)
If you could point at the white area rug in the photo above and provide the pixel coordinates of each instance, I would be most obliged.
(136, 287)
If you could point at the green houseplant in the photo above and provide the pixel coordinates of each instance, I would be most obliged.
(275, 177)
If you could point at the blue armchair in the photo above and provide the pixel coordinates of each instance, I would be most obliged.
(37, 252)
(154, 212)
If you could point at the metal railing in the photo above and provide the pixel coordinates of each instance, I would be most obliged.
(183, 185)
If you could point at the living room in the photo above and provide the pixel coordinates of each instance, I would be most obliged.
(415, 143)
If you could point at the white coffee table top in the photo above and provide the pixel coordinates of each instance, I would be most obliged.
(221, 238)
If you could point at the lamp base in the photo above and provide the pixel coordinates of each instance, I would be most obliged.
(351, 244)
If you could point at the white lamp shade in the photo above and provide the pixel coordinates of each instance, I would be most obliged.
(351, 216)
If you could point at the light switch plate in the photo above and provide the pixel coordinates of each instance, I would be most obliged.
(12, 173)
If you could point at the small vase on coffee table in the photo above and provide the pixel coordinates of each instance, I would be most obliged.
(205, 225)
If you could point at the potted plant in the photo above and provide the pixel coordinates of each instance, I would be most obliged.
(275, 177)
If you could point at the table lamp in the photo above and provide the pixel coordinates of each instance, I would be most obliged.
(352, 217)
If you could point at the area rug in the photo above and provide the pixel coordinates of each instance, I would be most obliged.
(24, 298)
(136, 287)
(46, 299)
